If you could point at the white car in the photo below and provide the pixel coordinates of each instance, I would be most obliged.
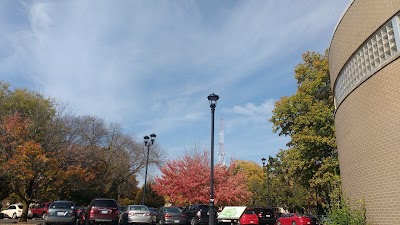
(14, 211)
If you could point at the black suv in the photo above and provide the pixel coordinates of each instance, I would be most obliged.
(265, 215)
(197, 214)
(102, 211)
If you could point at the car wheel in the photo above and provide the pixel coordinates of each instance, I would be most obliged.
(294, 223)
(14, 216)
(278, 223)
(43, 215)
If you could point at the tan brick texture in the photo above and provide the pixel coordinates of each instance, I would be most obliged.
(368, 120)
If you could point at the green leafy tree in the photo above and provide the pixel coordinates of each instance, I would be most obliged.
(255, 181)
(307, 117)
(152, 198)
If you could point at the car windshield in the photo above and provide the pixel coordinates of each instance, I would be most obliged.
(20, 206)
(105, 203)
(172, 210)
(62, 205)
(203, 208)
(138, 207)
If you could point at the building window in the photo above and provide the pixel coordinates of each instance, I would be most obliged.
(377, 51)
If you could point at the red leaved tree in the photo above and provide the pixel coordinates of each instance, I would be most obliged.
(186, 180)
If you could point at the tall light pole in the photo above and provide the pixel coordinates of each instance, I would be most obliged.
(147, 144)
(267, 166)
(212, 98)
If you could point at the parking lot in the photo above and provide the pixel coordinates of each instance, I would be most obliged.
(29, 222)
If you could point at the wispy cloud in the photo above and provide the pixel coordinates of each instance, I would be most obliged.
(151, 64)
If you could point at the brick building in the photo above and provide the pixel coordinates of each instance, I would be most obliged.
(365, 78)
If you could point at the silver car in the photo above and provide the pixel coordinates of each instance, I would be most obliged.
(136, 214)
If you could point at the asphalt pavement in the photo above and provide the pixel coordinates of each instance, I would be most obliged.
(34, 221)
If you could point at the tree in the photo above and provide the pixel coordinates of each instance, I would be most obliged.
(62, 155)
(255, 182)
(152, 199)
(307, 117)
(186, 180)
(23, 159)
(111, 155)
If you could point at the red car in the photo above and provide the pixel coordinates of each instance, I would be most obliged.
(294, 219)
(248, 217)
(40, 210)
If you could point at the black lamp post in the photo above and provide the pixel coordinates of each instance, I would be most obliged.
(212, 98)
(147, 144)
(267, 166)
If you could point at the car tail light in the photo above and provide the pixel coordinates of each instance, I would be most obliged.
(147, 214)
(167, 215)
(91, 213)
(183, 215)
(259, 215)
(131, 213)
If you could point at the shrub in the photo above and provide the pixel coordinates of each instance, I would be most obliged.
(342, 213)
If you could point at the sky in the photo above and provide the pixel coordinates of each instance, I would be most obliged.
(150, 65)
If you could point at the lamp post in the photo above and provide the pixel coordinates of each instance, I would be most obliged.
(267, 166)
(147, 144)
(212, 98)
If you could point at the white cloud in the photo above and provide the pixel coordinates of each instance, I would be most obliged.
(250, 109)
(151, 64)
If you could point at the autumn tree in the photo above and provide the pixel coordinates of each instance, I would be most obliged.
(255, 181)
(21, 152)
(307, 117)
(111, 155)
(62, 155)
(24, 119)
(31, 141)
(186, 180)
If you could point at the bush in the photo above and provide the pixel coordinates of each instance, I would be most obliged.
(341, 213)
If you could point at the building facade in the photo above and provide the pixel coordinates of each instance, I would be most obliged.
(364, 68)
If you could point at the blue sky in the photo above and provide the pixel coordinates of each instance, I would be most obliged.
(150, 65)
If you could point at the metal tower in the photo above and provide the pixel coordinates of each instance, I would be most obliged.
(221, 151)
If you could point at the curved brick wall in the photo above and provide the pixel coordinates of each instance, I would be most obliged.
(368, 120)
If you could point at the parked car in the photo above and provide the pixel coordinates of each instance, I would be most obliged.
(198, 214)
(153, 213)
(324, 219)
(314, 219)
(294, 219)
(40, 210)
(80, 216)
(122, 209)
(170, 215)
(266, 216)
(60, 212)
(248, 217)
(136, 214)
(14, 211)
(102, 211)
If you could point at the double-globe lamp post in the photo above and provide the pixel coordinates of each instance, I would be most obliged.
(147, 144)
(212, 98)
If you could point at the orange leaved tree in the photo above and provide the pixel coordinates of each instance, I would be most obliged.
(186, 180)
